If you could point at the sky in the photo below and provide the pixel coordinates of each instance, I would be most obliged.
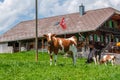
(13, 12)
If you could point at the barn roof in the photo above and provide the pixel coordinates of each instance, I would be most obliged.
(90, 21)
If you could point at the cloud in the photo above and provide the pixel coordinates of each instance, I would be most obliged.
(115, 3)
(15, 11)
(11, 10)
(95, 4)
(49, 8)
(1, 0)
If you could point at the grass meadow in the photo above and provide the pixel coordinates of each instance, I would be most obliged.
(22, 66)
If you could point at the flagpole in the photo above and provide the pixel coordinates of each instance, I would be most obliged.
(36, 29)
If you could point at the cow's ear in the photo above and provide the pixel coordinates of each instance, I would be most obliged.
(45, 35)
(54, 35)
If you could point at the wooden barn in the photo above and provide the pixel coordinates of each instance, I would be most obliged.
(100, 25)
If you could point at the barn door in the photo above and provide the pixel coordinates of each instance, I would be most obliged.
(16, 47)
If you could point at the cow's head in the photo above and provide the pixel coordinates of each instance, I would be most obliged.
(49, 37)
(102, 61)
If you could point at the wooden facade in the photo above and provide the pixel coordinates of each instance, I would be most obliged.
(107, 32)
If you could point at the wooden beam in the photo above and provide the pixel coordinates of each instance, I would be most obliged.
(36, 28)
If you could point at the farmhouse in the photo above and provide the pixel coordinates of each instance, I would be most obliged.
(100, 25)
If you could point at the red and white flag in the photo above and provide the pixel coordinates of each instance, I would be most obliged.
(63, 24)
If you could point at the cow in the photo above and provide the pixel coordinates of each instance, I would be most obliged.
(108, 58)
(95, 52)
(66, 45)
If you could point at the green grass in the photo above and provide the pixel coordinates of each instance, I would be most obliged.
(22, 66)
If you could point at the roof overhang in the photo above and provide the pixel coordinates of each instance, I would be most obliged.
(116, 15)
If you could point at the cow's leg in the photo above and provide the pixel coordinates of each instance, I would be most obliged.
(51, 58)
(97, 59)
(105, 63)
(112, 62)
(94, 58)
(99, 56)
(55, 59)
(51, 54)
(89, 59)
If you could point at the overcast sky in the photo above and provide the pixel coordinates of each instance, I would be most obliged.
(13, 12)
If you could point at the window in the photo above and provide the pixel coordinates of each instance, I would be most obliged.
(16, 44)
(115, 24)
(91, 37)
(106, 24)
(111, 24)
(95, 37)
(98, 38)
(106, 39)
(10, 44)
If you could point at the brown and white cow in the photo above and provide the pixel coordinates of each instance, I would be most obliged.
(56, 44)
(108, 58)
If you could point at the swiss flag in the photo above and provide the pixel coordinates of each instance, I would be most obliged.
(63, 24)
